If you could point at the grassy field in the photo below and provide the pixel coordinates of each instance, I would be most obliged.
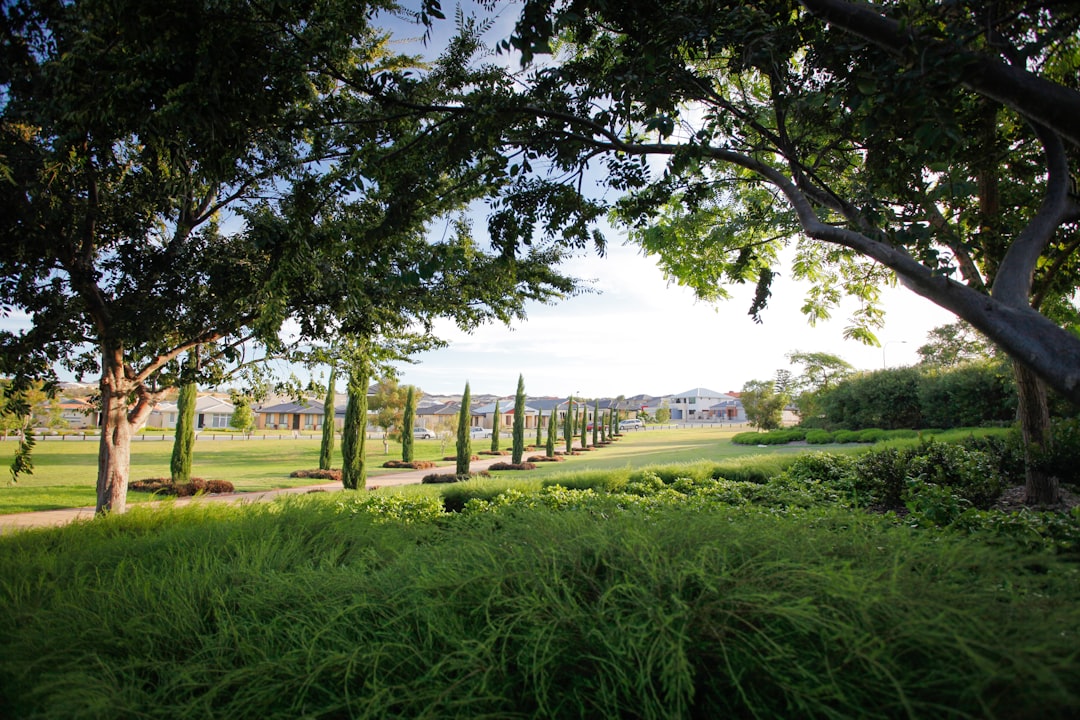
(65, 471)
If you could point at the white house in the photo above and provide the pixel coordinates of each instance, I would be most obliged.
(704, 405)
(210, 412)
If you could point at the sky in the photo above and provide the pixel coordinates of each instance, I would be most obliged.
(639, 334)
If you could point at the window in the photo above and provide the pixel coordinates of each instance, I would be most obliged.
(219, 420)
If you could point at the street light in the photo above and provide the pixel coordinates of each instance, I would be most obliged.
(884, 366)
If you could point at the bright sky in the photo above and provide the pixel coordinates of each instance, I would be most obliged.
(641, 335)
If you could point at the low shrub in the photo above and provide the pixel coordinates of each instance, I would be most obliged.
(544, 458)
(413, 465)
(512, 466)
(165, 486)
(436, 478)
(332, 475)
(819, 437)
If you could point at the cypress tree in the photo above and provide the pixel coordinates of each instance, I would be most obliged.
(464, 444)
(568, 425)
(584, 427)
(495, 425)
(539, 430)
(596, 422)
(519, 422)
(354, 434)
(326, 450)
(407, 421)
(184, 442)
(551, 431)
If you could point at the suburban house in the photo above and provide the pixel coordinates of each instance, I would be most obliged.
(210, 412)
(484, 416)
(704, 405)
(69, 413)
(306, 415)
(434, 417)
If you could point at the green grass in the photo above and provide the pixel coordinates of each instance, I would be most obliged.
(65, 472)
(606, 608)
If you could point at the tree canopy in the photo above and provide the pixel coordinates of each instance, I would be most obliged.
(190, 174)
(927, 142)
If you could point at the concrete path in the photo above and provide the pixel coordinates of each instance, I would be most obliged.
(53, 518)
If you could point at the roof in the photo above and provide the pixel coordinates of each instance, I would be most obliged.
(700, 392)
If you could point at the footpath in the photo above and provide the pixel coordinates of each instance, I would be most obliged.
(54, 518)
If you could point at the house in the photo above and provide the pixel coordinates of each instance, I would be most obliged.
(435, 417)
(701, 405)
(211, 411)
(484, 415)
(68, 412)
(730, 409)
(304, 415)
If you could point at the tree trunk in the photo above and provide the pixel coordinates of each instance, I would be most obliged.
(114, 452)
(1040, 486)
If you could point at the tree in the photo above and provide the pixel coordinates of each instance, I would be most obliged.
(408, 419)
(243, 417)
(820, 370)
(464, 440)
(237, 174)
(553, 419)
(764, 405)
(496, 425)
(952, 344)
(928, 142)
(596, 423)
(354, 431)
(184, 438)
(584, 427)
(388, 402)
(329, 424)
(539, 430)
(568, 425)
(519, 422)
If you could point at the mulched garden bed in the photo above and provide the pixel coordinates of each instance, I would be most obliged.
(413, 465)
(452, 477)
(512, 466)
(329, 475)
(545, 458)
(165, 486)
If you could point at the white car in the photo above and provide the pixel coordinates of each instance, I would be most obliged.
(422, 433)
(632, 424)
(478, 433)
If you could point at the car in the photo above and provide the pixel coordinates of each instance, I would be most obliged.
(632, 424)
(478, 433)
(422, 433)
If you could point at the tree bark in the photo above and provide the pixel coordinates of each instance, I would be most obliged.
(114, 452)
(1040, 486)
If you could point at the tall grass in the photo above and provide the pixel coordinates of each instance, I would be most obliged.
(307, 609)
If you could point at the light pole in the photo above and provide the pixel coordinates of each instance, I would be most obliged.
(885, 366)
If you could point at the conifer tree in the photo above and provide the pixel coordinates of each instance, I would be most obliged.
(519, 422)
(354, 433)
(184, 442)
(539, 430)
(495, 425)
(407, 421)
(568, 425)
(552, 419)
(596, 422)
(464, 444)
(326, 449)
(584, 426)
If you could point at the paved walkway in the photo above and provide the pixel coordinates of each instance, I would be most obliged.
(53, 518)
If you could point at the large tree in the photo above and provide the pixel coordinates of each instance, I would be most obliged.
(929, 142)
(195, 173)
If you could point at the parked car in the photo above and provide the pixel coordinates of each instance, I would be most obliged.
(632, 424)
(477, 433)
(422, 433)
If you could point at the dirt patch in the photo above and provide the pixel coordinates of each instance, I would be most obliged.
(1012, 500)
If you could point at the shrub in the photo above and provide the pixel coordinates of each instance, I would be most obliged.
(819, 437)
(881, 477)
(333, 475)
(971, 474)
(412, 464)
(512, 466)
(871, 435)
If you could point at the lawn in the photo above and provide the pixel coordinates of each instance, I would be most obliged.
(65, 471)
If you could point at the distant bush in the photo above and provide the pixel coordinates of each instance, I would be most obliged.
(819, 437)
(773, 437)
(165, 486)
(332, 475)
(412, 464)
(512, 466)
